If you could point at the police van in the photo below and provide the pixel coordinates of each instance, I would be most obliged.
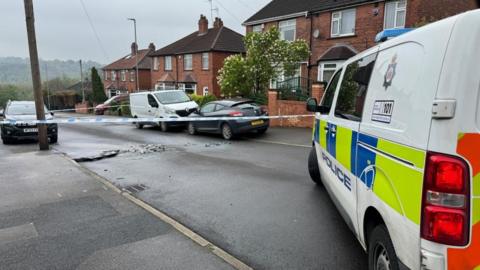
(397, 146)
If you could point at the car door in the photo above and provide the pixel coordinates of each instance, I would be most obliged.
(206, 111)
(342, 134)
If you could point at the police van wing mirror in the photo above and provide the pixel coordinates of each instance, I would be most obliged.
(312, 105)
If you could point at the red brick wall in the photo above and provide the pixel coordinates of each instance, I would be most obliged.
(144, 82)
(204, 78)
(425, 11)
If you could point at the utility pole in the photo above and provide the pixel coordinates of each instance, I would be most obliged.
(37, 83)
(136, 51)
(81, 82)
(48, 88)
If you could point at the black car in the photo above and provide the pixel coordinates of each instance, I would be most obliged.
(24, 111)
(229, 128)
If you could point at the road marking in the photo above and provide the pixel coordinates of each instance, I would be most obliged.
(280, 143)
(230, 259)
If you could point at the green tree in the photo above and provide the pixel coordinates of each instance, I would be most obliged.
(13, 92)
(267, 57)
(98, 95)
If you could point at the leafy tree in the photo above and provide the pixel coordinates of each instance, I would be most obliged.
(267, 57)
(12, 92)
(98, 95)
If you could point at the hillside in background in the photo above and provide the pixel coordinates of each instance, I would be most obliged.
(16, 70)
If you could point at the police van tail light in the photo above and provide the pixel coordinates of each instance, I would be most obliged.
(446, 200)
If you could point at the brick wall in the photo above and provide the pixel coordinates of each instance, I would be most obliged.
(204, 78)
(425, 11)
(131, 86)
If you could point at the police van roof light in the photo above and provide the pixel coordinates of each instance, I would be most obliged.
(391, 33)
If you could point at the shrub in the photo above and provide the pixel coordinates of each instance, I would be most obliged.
(202, 100)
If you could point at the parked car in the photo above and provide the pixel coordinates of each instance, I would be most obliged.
(25, 111)
(230, 128)
(113, 101)
(168, 104)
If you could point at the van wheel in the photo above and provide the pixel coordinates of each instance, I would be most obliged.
(381, 253)
(313, 168)
(191, 129)
(164, 126)
(138, 125)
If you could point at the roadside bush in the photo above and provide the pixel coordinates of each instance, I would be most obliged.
(202, 100)
(260, 98)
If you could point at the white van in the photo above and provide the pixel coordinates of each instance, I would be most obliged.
(168, 104)
(397, 147)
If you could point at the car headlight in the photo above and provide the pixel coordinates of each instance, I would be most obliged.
(169, 111)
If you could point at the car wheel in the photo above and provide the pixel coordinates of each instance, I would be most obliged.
(6, 141)
(54, 139)
(381, 253)
(313, 168)
(227, 132)
(138, 125)
(164, 126)
(191, 129)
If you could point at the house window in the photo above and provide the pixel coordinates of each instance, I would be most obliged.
(257, 28)
(395, 12)
(188, 62)
(168, 63)
(106, 75)
(205, 62)
(132, 76)
(165, 86)
(327, 69)
(205, 91)
(189, 88)
(114, 75)
(123, 75)
(287, 29)
(283, 79)
(343, 23)
(155, 63)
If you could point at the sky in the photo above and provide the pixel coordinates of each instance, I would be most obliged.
(64, 30)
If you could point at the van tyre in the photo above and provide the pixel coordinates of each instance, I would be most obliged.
(313, 168)
(164, 126)
(191, 129)
(227, 132)
(138, 125)
(381, 253)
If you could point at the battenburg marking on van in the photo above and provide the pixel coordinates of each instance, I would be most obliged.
(468, 258)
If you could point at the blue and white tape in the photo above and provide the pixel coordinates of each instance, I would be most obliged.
(100, 120)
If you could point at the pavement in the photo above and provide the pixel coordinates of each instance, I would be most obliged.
(55, 215)
(251, 197)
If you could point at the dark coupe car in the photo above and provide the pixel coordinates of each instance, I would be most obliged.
(229, 128)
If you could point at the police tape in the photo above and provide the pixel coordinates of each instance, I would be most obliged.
(100, 120)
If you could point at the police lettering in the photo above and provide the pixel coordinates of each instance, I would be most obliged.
(338, 172)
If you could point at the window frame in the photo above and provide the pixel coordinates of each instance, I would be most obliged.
(154, 99)
(185, 57)
(123, 76)
(339, 72)
(167, 65)
(106, 75)
(132, 75)
(258, 28)
(395, 18)
(339, 21)
(156, 63)
(291, 23)
(321, 68)
(207, 62)
(114, 75)
(206, 105)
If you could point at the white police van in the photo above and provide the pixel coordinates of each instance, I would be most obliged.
(397, 147)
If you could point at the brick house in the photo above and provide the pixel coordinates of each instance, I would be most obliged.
(119, 77)
(339, 29)
(192, 63)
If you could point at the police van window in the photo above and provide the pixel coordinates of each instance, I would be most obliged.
(353, 89)
(330, 92)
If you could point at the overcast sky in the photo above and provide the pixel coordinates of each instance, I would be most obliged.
(64, 31)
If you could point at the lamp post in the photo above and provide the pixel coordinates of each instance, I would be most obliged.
(136, 50)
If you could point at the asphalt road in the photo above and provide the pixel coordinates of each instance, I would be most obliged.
(251, 197)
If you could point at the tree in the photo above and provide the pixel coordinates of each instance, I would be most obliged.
(267, 57)
(98, 95)
(13, 92)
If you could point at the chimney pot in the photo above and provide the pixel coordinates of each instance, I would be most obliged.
(202, 25)
(151, 47)
(134, 48)
(218, 23)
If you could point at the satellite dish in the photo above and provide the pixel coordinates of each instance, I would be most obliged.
(316, 33)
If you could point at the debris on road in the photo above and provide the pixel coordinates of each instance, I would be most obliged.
(102, 155)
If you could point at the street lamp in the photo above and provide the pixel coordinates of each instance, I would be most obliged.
(136, 50)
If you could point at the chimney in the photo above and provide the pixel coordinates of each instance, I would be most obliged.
(202, 25)
(218, 23)
(134, 48)
(151, 47)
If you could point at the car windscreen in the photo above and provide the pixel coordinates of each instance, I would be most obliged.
(22, 109)
(172, 97)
